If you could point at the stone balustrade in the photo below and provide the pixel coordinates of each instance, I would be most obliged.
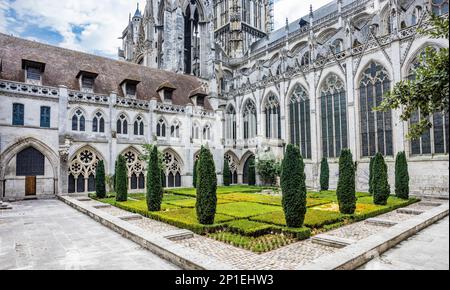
(28, 89)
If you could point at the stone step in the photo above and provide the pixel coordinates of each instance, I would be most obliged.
(381, 222)
(84, 199)
(178, 235)
(130, 217)
(410, 211)
(430, 203)
(4, 206)
(102, 206)
(332, 241)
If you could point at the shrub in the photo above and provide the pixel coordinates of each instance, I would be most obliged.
(380, 183)
(346, 192)
(100, 186)
(252, 171)
(194, 174)
(154, 188)
(121, 179)
(371, 175)
(401, 176)
(293, 187)
(206, 188)
(324, 175)
(268, 170)
(226, 173)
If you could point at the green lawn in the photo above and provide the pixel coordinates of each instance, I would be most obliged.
(254, 221)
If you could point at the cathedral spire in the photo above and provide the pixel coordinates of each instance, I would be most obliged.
(138, 12)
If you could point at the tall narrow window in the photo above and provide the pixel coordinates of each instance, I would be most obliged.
(122, 125)
(334, 117)
(196, 131)
(139, 126)
(161, 128)
(78, 121)
(175, 130)
(273, 117)
(98, 123)
(45, 117)
(439, 7)
(250, 120)
(436, 139)
(172, 171)
(18, 114)
(207, 132)
(300, 121)
(230, 124)
(376, 127)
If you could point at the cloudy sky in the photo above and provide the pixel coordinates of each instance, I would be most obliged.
(94, 26)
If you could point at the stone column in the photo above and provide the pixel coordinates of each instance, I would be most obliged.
(62, 179)
(398, 126)
(112, 143)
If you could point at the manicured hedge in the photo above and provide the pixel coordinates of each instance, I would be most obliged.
(249, 228)
(227, 177)
(346, 192)
(324, 175)
(380, 184)
(154, 188)
(401, 176)
(121, 179)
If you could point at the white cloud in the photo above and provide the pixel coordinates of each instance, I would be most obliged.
(294, 9)
(3, 19)
(103, 21)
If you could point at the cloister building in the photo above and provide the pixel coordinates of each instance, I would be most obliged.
(216, 73)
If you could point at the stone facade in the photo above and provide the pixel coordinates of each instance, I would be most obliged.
(310, 83)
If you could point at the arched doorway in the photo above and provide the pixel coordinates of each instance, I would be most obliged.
(247, 168)
(30, 163)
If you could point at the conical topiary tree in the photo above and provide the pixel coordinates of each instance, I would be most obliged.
(121, 180)
(380, 183)
(293, 186)
(194, 174)
(346, 192)
(324, 175)
(100, 185)
(226, 173)
(206, 188)
(372, 159)
(401, 176)
(252, 171)
(154, 187)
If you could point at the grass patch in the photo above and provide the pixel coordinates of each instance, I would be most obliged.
(246, 209)
(192, 192)
(260, 244)
(313, 219)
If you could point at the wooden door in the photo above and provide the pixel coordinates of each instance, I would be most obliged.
(30, 186)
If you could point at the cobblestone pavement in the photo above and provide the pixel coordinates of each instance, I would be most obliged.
(428, 250)
(286, 258)
(49, 235)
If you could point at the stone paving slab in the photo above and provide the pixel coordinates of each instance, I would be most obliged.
(49, 235)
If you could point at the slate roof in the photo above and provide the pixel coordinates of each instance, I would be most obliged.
(63, 65)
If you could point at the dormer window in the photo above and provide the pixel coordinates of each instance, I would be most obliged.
(33, 71)
(198, 97)
(165, 91)
(87, 81)
(129, 88)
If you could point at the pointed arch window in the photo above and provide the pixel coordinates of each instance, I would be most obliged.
(305, 58)
(78, 121)
(334, 116)
(175, 130)
(376, 127)
(300, 120)
(337, 46)
(135, 169)
(122, 125)
(272, 113)
(139, 126)
(196, 131)
(82, 170)
(250, 120)
(172, 171)
(207, 132)
(233, 165)
(98, 123)
(230, 124)
(161, 129)
(439, 7)
(434, 140)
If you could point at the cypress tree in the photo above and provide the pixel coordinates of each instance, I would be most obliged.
(100, 186)
(401, 176)
(380, 183)
(252, 171)
(226, 173)
(346, 192)
(293, 186)
(372, 159)
(324, 175)
(121, 180)
(154, 188)
(194, 174)
(206, 188)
